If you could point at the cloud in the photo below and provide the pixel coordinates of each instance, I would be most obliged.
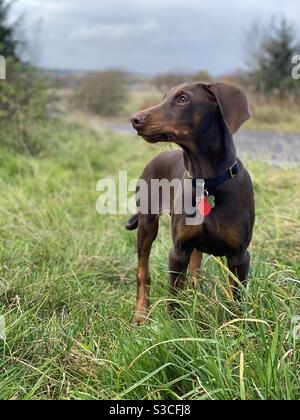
(113, 31)
(147, 36)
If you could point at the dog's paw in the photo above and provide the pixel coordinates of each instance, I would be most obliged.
(140, 318)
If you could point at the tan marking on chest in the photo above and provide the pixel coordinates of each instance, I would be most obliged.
(186, 233)
(230, 235)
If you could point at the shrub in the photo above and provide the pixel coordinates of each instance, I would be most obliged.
(165, 82)
(202, 76)
(102, 93)
(24, 99)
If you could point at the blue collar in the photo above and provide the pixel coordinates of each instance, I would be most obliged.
(212, 183)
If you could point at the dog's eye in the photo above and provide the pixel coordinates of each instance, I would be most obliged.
(182, 100)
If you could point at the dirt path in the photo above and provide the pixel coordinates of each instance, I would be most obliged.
(276, 148)
(282, 149)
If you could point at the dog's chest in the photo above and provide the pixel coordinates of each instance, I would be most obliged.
(209, 237)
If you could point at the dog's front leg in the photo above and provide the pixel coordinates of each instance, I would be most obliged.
(178, 263)
(239, 266)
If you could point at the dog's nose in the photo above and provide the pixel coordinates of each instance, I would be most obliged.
(137, 121)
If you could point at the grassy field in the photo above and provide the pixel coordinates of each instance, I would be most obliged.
(274, 116)
(67, 287)
(267, 114)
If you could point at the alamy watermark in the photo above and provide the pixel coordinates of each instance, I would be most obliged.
(296, 327)
(2, 328)
(178, 196)
(296, 68)
(2, 67)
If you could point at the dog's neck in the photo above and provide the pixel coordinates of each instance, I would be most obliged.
(211, 154)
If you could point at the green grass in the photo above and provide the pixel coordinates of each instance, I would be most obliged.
(280, 117)
(67, 287)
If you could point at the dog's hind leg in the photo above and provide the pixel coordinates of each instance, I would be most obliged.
(147, 232)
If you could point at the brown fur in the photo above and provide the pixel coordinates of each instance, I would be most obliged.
(201, 119)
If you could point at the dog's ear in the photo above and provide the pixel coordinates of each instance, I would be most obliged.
(233, 104)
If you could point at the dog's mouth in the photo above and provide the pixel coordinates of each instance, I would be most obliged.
(160, 137)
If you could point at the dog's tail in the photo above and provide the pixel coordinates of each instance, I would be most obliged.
(133, 222)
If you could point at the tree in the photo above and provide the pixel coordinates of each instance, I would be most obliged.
(270, 51)
(8, 33)
(24, 95)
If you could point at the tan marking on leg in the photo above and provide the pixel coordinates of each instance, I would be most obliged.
(194, 266)
(195, 261)
(146, 235)
(143, 291)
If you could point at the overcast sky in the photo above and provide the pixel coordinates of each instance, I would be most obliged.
(146, 36)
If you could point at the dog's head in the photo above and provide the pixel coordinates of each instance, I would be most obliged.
(190, 110)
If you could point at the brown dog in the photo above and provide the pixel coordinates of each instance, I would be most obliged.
(201, 119)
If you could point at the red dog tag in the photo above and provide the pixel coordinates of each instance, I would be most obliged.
(205, 205)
